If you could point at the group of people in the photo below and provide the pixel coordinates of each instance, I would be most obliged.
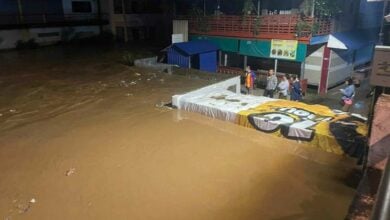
(284, 87)
(292, 86)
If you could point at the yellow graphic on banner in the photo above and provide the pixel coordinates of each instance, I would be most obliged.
(317, 125)
(284, 49)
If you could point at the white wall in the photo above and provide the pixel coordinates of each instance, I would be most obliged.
(9, 38)
(313, 66)
(340, 67)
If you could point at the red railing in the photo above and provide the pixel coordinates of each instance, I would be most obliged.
(259, 27)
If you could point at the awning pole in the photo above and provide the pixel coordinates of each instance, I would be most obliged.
(313, 8)
(276, 66)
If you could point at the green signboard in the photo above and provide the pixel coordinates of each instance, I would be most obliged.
(224, 43)
(254, 48)
(257, 48)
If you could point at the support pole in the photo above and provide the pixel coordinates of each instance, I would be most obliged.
(313, 8)
(20, 8)
(276, 66)
(303, 70)
(258, 7)
(381, 34)
(226, 60)
(245, 62)
(124, 21)
(219, 58)
(204, 7)
(99, 16)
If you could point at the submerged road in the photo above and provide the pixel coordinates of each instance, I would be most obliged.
(84, 137)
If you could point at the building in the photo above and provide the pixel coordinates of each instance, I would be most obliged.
(137, 20)
(50, 21)
(293, 37)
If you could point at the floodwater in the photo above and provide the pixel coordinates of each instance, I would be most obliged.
(84, 137)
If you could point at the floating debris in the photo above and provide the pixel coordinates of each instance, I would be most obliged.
(148, 79)
(167, 105)
(129, 94)
(70, 171)
(137, 74)
(12, 110)
(123, 83)
(132, 83)
(23, 207)
(33, 200)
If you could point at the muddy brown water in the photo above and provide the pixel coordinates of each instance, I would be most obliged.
(84, 137)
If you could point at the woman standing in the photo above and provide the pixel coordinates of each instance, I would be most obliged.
(296, 90)
(283, 88)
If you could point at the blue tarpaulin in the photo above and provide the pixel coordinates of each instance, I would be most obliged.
(201, 54)
(195, 47)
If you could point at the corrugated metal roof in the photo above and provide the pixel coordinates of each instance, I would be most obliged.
(195, 47)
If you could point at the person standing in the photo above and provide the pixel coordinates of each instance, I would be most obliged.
(272, 82)
(253, 76)
(248, 82)
(283, 87)
(296, 90)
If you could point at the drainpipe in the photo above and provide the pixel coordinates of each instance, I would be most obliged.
(99, 14)
(258, 7)
(20, 8)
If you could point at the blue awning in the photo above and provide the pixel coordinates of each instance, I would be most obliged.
(195, 47)
(351, 40)
(319, 39)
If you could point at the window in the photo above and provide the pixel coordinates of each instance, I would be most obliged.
(120, 33)
(118, 9)
(81, 7)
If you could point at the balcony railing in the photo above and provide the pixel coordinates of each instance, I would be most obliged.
(260, 27)
(43, 20)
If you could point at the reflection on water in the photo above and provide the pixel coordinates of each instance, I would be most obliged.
(66, 109)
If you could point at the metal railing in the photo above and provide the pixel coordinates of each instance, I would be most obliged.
(264, 26)
(382, 204)
(47, 18)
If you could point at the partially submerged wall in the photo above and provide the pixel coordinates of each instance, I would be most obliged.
(380, 134)
(45, 36)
